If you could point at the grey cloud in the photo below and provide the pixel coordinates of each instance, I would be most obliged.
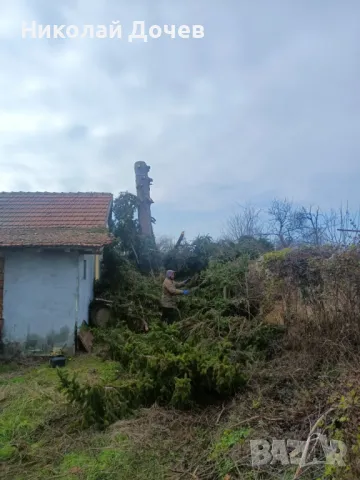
(266, 104)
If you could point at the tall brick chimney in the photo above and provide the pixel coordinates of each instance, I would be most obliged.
(143, 182)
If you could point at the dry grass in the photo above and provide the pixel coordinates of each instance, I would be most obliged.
(41, 437)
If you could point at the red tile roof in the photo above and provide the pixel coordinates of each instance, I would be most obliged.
(54, 219)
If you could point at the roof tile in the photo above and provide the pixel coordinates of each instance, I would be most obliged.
(52, 219)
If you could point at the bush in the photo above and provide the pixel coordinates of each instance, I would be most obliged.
(320, 288)
(173, 365)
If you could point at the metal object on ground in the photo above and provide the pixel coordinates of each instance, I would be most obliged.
(57, 361)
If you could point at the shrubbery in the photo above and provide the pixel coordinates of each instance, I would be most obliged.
(320, 291)
(203, 358)
(210, 354)
(173, 365)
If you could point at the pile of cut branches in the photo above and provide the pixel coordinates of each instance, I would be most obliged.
(197, 361)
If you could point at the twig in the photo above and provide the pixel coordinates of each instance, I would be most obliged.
(136, 255)
(247, 296)
(248, 420)
(145, 324)
(183, 473)
(305, 451)
(194, 473)
(220, 415)
(276, 419)
(237, 469)
(245, 421)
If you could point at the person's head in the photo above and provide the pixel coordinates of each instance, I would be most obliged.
(170, 274)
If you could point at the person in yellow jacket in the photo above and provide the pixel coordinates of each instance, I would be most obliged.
(170, 291)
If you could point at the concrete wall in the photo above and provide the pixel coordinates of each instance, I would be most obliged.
(44, 295)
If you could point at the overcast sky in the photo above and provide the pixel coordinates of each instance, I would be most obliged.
(266, 104)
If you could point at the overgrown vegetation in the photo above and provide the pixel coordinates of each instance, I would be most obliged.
(267, 347)
(178, 366)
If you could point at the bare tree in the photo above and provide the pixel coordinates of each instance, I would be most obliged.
(337, 224)
(165, 244)
(285, 222)
(289, 225)
(312, 230)
(246, 222)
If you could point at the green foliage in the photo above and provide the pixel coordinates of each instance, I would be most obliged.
(221, 450)
(195, 257)
(343, 425)
(278, 256)
(126, 227)
(225, 286)
(190, 258)
(228, 440)
(182, 392)
(129, 261)
(170, 366)
(205, 357)
(112, 463)
(245, 246)
(129, 244)
(228, 275)
(135, 297)
(299, 265)
(100, 406)
(115, 270)
(6, 452)
(40, 438)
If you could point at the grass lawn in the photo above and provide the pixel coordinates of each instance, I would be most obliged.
(41, 435)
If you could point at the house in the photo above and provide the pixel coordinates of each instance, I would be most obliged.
(50, 245)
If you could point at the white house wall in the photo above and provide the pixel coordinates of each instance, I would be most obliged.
(41, 298)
